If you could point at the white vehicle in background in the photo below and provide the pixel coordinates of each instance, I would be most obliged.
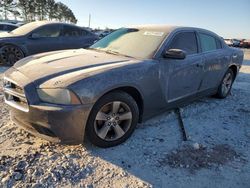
(236, 42)
(229, 42)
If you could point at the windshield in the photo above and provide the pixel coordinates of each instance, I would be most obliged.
(134, 42)
(25, 29)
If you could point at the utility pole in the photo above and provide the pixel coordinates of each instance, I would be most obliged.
(89, 20)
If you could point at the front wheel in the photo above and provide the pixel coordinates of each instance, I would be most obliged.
(10, 54)
(112, 119)
(226, 84)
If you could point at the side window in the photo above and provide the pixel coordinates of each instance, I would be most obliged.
(48, 31)
(185, 41)
(208, 43)
(69, 31)
(1, 27)
(10, 28)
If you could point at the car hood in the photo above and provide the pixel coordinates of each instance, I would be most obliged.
(7, 35)
(60, 68)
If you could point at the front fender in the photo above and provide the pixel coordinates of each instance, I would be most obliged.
(144, 77)
(91, 88)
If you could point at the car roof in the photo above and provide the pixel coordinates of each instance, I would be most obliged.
(45, 22)
(171, 28)
(165, 28)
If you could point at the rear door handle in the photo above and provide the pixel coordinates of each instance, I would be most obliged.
(199, 65)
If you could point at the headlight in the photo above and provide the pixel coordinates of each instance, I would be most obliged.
(58, 96)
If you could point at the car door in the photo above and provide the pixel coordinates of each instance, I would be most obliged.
(215, 61)
(44, 39)
(75, 37)
(183, 77)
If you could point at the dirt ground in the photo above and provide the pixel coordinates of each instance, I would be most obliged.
(216, 155)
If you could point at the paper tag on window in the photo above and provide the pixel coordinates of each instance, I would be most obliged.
(154, 33)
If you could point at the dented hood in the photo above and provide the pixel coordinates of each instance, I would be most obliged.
(43, 67)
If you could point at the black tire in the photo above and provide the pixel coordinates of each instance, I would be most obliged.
(10, 54)
(222, 93)
(111, 98)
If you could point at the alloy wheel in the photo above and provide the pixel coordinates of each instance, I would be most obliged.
(11, 54)
(113, 120)
(227, 83)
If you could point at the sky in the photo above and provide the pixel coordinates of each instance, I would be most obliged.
(228, 18)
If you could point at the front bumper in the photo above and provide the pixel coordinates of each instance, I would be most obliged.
(57, 123)
(62, 124)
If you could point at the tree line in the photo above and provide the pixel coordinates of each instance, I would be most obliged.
(32, 10)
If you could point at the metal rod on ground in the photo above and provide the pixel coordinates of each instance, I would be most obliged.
(178, 113)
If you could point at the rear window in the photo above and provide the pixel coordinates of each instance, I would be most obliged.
(70, 31)
(208, 42)
(185, 41)
(84, 32)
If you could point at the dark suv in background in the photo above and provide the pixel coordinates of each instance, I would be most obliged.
(42, 36)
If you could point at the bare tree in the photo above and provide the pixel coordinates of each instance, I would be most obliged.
(7, 6)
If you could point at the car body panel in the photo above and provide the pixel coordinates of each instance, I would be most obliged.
(182, 76)
(214, 64)
(48, 121)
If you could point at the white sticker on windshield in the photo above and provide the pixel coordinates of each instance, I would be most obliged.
(154, 33)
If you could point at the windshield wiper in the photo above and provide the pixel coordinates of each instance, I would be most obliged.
(110, 52)
(116, 53)
(95, 49)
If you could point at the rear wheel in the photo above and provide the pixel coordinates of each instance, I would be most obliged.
(226, 84)
(10, 54)
(112, 119)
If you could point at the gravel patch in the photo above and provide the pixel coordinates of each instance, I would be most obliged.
(199, 157)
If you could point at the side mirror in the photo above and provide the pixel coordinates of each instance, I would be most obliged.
(34, 36)
(175, 54)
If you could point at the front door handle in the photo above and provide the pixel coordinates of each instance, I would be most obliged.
(235, 56)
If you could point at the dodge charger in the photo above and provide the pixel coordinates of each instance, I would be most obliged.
(101, 93)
